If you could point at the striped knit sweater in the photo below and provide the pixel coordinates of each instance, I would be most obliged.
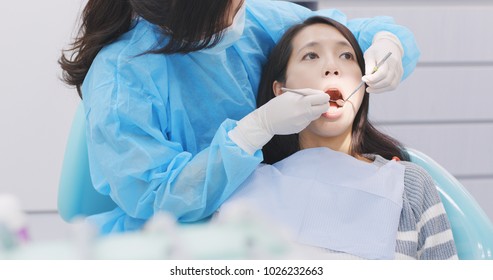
(424, 230)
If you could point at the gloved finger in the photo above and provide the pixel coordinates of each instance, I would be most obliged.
(387, 86)
(379, 89)
(377, 77)
(317, 110)
(383, 89)
(373, 90)
(370, 61)
(383, 83)
(307, 91)
(389, 83)
(392, 86)
(290, 95)
(317, 99)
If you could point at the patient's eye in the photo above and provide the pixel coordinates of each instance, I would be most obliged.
(347, 55)
(310, 56)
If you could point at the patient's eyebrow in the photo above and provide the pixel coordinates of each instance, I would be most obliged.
(317, 43)
(308, 45)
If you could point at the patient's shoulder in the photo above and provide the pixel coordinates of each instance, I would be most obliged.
(419, 188)
(416, 174)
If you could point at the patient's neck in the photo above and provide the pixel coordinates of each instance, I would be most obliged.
(340, 143)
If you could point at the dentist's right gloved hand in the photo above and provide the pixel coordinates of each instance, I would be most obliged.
(285, 114)
(390, 73)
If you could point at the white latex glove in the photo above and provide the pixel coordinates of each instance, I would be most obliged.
(389, 74)
(285, 114)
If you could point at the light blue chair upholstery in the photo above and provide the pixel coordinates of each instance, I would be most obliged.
(472, 230)
(76, 195)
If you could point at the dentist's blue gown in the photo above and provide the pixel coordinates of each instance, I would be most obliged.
(157, 125)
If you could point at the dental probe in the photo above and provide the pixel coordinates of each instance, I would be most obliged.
(362, 82)
(302, 93)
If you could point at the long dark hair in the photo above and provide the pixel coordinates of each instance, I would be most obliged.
(189, 25)
(366, 139)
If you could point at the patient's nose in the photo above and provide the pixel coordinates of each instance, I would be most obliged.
(333, 72)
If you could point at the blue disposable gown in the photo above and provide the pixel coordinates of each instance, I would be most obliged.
(157, 125)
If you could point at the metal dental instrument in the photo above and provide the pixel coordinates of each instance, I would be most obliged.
(341, 103)
(302, 93)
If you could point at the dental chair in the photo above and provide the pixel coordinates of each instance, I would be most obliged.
(76, 195)
(472, 230)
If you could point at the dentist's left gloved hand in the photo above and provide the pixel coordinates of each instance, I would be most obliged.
(389, 74)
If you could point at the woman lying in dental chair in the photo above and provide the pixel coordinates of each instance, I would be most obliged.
(340, 186)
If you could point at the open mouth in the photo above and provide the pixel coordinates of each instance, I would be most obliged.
(335, 95)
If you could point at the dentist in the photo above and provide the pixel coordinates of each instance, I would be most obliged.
(169, 89)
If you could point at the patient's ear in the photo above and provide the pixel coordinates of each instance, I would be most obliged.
(277, 88)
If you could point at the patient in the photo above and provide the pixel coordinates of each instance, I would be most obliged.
(340, 185)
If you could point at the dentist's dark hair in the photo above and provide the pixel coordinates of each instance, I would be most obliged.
(188, 25)
(366, 139)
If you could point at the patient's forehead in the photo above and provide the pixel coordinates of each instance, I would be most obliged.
(319, 33)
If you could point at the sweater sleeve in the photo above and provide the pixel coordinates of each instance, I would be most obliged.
(435, 239)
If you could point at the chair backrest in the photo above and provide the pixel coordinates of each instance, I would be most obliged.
(472, 230)
(76, 194)
(471, 227)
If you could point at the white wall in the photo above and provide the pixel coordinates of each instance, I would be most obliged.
(36, 108)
